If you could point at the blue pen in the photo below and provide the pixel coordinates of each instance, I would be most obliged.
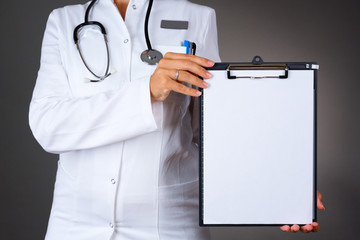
(187, 45)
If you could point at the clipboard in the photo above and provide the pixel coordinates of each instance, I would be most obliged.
(257, 144)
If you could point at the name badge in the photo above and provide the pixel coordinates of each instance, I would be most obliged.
(171, 24)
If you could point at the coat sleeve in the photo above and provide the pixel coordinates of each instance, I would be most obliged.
(209, 49)
(61, 122)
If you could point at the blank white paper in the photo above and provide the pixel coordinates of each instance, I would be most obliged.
(258, 146)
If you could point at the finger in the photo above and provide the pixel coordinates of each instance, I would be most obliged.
(315, 226)
(320, 204)
(187, 65)
(181, 56)
(285, 228)
(295, 228)
(181, 88)
(319, 195)
(184, 76)
(307, 228)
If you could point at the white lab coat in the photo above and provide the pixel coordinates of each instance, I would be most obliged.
(128, 169)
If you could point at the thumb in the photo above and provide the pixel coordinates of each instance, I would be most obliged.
(320, 205)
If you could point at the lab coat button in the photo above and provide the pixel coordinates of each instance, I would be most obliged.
(113, 181)
(126, 40)
(134, 6)
(111, 225)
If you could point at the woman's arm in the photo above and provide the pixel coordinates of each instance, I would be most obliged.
(61, 122)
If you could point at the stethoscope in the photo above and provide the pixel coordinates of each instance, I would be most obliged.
(149, 56)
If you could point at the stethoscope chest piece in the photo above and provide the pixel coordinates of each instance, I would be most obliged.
(151, 57)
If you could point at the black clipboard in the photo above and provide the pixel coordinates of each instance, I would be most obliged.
(212, 209)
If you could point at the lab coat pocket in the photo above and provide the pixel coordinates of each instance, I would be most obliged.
(63, 207)
(61, 222)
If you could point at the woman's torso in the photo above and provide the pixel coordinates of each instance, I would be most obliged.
(145, 187)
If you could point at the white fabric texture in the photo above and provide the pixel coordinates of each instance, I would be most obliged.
(128, 169)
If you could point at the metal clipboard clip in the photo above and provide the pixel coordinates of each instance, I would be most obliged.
(257, 64)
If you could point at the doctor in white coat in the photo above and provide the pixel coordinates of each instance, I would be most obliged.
(128, 166)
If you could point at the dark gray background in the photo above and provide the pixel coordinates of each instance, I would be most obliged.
(326, 31)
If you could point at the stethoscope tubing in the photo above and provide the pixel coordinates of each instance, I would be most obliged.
(146, 25)
(150, 55)
(100, 78)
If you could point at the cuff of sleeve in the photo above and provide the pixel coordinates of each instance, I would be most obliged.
(154, 109)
